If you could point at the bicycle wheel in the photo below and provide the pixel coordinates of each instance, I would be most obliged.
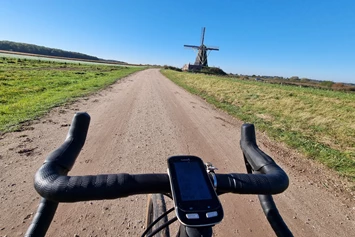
(156, 207)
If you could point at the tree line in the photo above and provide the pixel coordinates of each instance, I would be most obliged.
(36, 49)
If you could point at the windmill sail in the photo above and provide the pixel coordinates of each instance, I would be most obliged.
(203, 35)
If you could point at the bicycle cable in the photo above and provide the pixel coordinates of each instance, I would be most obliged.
(157, 220)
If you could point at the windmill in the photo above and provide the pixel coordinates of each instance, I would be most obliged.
(202, 54)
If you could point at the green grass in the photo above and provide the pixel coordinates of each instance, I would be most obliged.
(318, 123)
(30, 88)
(53, 59)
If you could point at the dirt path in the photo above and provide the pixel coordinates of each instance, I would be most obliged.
(135, 125)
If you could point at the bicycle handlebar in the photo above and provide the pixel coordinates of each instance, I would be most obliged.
(60, 188)
(52, 182)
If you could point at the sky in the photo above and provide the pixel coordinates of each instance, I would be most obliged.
(305, 38)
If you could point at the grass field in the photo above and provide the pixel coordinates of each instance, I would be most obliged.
(52, 59)
(29, 88)
(318, 123)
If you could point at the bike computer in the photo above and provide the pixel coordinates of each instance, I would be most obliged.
(196, 202)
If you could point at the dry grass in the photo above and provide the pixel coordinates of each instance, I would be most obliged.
(319, 123)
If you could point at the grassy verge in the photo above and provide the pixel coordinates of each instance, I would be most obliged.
(316, 122)
(29, 88)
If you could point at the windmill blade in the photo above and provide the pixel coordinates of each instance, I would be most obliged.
(203, 35)
(212, 48)
(191, 46)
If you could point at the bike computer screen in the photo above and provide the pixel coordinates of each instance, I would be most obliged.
(192, 185)
(196, 202)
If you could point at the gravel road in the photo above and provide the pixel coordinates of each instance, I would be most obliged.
(136, 124)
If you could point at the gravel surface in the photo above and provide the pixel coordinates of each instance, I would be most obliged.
(136, 124)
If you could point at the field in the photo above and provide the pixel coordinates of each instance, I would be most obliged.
(50, 58)
(29, 88)
(318, 123)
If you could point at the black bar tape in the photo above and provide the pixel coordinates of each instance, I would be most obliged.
(43, 218)
(255, 157)
(274, 181)
(66, 154)
(273, 216)
(50, 184)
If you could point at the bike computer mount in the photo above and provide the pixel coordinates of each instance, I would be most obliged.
(195, 200)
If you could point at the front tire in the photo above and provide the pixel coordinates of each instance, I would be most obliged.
(156, 207)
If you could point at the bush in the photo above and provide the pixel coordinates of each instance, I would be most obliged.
(342, 87)
(349, 88)
(327, 84)
(213, 71)
(172, 68)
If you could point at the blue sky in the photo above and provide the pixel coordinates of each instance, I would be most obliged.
(305, 38)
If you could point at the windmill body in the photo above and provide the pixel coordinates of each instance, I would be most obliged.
(202, 52)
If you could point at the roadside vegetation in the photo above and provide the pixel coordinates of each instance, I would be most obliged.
(204, 70)
(213, 71)
(36, 49)
(30, 88)
(319, 123)
(301, 82)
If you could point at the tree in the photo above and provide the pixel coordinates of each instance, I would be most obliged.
(294, 78)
